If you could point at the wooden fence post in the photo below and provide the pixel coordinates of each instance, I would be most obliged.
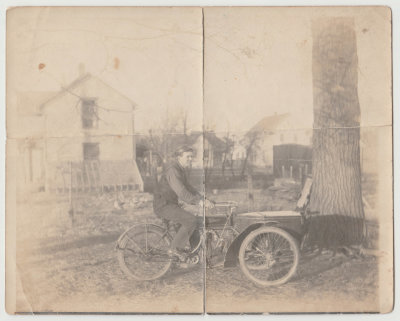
(71, 206)
(250, 192)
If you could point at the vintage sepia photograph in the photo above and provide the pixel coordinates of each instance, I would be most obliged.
(199, 160)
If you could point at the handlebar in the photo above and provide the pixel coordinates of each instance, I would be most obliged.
(226, 208)
(226, 204)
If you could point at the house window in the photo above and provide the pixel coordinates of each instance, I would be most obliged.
(206, 153)
(91, 151)
(89, 114)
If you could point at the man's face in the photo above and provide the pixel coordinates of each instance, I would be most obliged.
(186, 159)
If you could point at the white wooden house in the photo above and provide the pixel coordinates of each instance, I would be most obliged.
(87, 125)
(277, 129)
(209, 150)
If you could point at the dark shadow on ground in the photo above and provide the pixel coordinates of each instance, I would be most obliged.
(80, 243)
(311, 266)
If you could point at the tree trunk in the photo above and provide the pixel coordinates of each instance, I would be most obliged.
(223, 166)
(248, 151)
(337, 216)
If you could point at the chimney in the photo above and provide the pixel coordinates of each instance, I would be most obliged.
(81, 69)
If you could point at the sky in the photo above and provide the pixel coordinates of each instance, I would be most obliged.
(257, 61)
(151, 55)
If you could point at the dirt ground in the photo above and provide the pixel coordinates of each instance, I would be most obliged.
(67, 265)
(321, 284)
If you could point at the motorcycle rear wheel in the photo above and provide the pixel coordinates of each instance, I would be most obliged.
(142, 252)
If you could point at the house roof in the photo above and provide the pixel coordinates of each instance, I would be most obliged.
(30, 101)
(180, 139)
(270, 123)
(66, 89)
(76, 83)
(177, 140)
(216, 142)
(213, 139)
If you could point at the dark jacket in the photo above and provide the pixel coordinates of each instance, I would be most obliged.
(173, 185)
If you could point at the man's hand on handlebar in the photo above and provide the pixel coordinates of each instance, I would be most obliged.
(206, 203)
(209, 204)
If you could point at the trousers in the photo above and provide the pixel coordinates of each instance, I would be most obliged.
(189, 224)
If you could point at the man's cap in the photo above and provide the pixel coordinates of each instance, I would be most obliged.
(183, 149)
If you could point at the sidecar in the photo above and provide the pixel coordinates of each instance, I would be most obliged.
(245, 223)
(267, 244)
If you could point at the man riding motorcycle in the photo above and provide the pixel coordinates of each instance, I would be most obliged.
(172, 187)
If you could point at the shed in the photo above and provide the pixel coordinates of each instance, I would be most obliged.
(292, 161)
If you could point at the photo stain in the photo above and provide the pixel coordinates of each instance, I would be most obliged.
(116, 63)
(41, 66)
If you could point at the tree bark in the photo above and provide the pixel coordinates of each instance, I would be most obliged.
(336, 209)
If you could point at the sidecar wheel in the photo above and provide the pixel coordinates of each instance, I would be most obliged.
(269, 256)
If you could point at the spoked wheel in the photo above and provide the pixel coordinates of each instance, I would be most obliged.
(269, 256)
(142, 252)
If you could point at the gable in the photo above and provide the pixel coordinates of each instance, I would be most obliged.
(270, 123)
(88, 86)
(28, 103)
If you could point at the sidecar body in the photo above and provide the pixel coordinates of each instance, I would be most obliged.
(291, 222)
(245, 223)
